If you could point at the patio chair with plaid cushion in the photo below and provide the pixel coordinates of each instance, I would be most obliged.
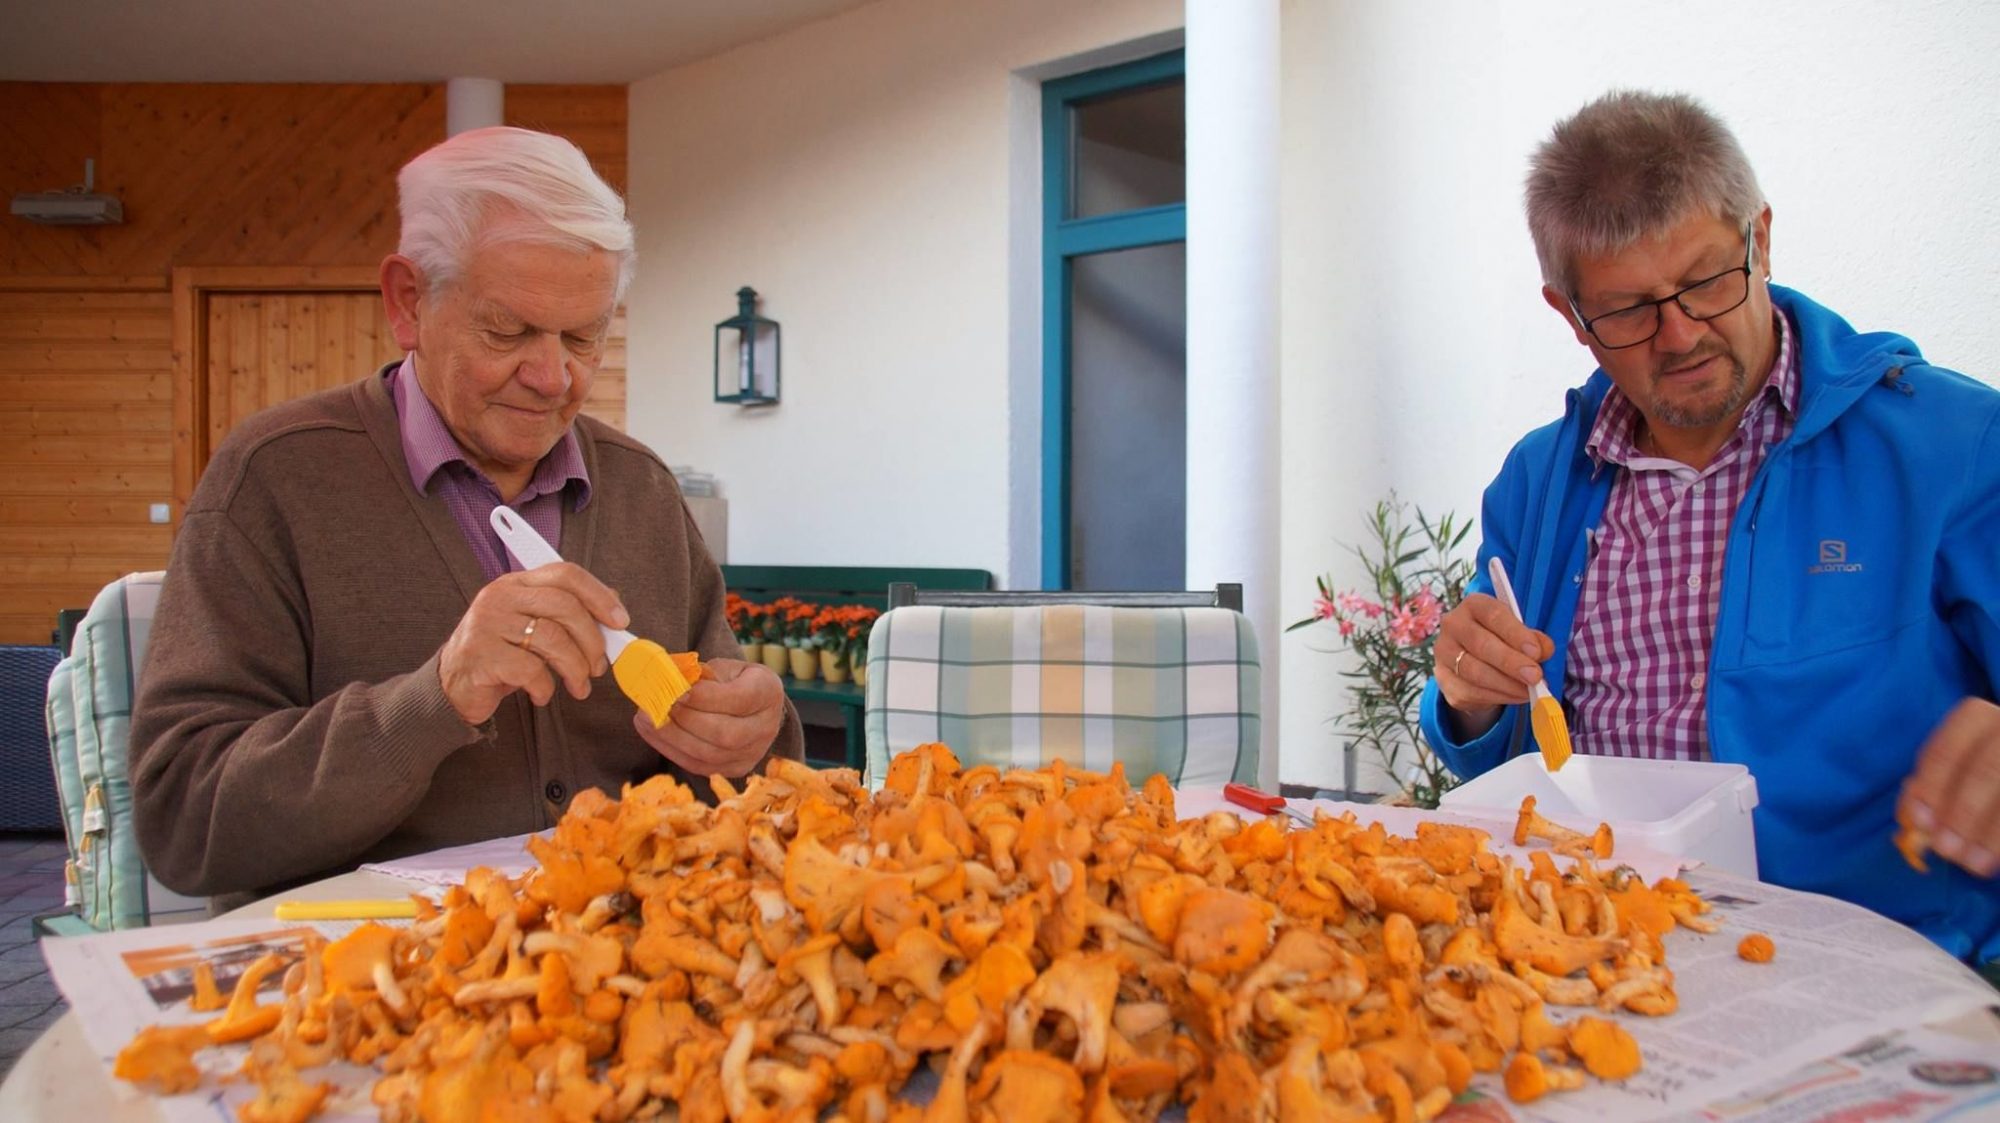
(90, 725)
(1012, 680)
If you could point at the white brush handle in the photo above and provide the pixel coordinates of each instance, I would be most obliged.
(533, 552)
(1505, 588)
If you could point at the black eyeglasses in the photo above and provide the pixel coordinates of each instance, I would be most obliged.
(1704, 300)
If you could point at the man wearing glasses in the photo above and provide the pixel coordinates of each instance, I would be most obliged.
(1755, 536)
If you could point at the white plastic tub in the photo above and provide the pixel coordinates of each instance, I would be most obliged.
(1684, 808)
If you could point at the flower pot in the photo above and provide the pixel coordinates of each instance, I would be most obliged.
(860, 668)
(776, 658)
(805, 663)
(753, 652)
(833, 665)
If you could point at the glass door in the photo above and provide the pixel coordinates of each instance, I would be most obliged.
(1115, 321)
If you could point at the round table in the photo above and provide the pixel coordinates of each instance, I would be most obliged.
(60, 1080)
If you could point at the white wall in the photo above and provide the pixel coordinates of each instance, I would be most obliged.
(874, 175)
(1874, 129)
(867, 174)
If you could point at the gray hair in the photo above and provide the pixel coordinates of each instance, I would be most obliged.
(506, 184)
(1629, 166)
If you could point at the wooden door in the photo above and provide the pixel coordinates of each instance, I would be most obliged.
(264, 348)
(248, 338)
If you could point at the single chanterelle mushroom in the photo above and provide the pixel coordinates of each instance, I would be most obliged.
(916, 960)
(1757, 948)
(1083, 988)
(1531, 824)
(1528, 1079)
(246, 1019)
(161, 1058)
(1911, 841)
(1222, 931)
(1604, 1047)
(1020, 1085)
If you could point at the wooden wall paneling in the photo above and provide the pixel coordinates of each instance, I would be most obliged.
(47, 130)
(247, 337)
(593, 117)
(213, 174)
(85, 425)
(264, 175)
(93, 340)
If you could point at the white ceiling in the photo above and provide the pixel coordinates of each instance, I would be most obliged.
(591, 41)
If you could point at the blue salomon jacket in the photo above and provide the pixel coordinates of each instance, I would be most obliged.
(1860, 602)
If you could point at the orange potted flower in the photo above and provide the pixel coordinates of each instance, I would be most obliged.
(771, 625)
(743, 621)
(858, 630)
(836, 630)
(799, 638)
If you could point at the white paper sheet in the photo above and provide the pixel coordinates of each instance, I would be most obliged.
(508, 856)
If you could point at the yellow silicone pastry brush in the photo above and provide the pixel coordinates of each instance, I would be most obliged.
(645, 672)
(1545, 713)
(398, 909)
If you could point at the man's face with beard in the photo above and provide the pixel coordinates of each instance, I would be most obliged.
(1693, 379)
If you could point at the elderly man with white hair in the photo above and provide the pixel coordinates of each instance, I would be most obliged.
(344, 666)
(1755, 535)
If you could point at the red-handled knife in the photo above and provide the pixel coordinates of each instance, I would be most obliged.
(1262, 802)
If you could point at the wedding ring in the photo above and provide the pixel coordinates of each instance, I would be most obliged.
(1455, 662)
(527, 640)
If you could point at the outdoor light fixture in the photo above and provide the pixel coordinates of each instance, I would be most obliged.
(746, 355)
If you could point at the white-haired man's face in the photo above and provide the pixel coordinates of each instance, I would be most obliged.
(508, 351)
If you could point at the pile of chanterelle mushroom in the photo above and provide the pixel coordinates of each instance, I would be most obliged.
(1054, 943)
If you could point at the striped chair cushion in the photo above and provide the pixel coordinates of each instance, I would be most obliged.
(1172, 690)
(90, 726)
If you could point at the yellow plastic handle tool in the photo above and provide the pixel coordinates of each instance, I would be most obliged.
(1545, 714)
(402, 909)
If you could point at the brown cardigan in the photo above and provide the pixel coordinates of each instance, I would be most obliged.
(290, 722)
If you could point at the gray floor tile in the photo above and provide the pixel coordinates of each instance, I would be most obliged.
(17, 966)
(36, 990)
(32, 1016)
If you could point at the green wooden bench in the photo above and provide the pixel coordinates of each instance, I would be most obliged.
(842, 584)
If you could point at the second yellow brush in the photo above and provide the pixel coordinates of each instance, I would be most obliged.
(1545, 713)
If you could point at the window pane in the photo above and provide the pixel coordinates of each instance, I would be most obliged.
(1129, 150)
(1128, 419)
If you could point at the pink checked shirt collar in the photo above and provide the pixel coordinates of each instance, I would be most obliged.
(438, 467)
(1636, 679)
(1612, 436)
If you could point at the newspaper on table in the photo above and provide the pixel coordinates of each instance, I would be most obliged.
(1857, 1017)
(117, 983)
(507, 857)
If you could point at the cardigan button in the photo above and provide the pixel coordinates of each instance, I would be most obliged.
(555, 791)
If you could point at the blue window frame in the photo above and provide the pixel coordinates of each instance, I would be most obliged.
(1064, 239)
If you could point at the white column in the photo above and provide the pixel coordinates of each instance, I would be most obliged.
(473, 103)
(1232, 326)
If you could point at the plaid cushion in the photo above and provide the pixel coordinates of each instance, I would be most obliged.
(1172, 690)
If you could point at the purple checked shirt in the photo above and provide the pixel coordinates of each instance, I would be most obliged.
(438, 467)
(1645, 620)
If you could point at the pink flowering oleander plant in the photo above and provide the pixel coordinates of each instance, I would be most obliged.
(1415, 576)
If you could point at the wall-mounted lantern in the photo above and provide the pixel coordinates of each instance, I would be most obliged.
(746, 355)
